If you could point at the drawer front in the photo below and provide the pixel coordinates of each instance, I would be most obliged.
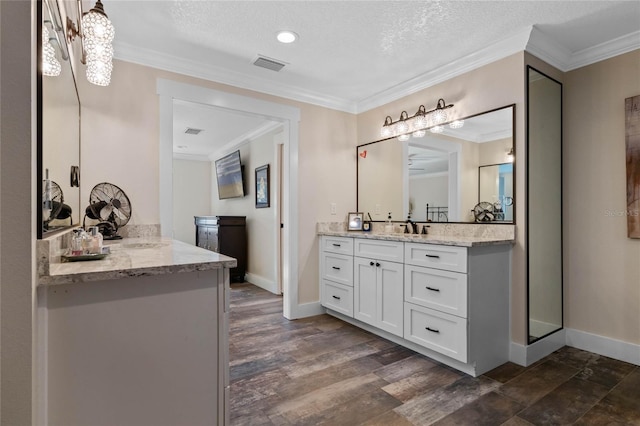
(338, 268)
(443, 333)
(440, 290)
(340, 245)
(380, 250)
(448, 258)
(337, 297)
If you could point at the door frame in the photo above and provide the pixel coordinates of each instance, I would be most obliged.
(289, 116)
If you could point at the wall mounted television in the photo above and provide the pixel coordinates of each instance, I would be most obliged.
(229, 176)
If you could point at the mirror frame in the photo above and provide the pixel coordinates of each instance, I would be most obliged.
(40, 234)
(515, 159)
(531, 340)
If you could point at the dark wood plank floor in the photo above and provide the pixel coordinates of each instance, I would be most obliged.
(322, 371)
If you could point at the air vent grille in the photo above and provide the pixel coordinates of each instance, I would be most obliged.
(269, 64)
(192, 131)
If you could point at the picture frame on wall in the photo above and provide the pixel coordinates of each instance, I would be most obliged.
(262, 187)
(355, 221)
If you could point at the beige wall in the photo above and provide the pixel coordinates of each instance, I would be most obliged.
(492, 86)
(17, 216)
(601, 265)
(191, 196)
(120, 144)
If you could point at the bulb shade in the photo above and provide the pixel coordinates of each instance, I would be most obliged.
(50, 65)
(420, 122)
(404, 137)
(96, 25)
(402, 127)
(386, 131)
(439, 116)
(437, 129)
(419, 133)
(456, 124)
(99, 72)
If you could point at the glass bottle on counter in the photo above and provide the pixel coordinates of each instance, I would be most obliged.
(76, 242)
(95, 245)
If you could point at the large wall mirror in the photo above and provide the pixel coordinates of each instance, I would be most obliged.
(544, 204)
(460, 175)
(59, 131)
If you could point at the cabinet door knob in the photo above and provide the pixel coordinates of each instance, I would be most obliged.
(433, 289)
(377, 264)
(371, 263)
(433, 330)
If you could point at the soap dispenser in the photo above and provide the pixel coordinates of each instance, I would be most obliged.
(388, 228)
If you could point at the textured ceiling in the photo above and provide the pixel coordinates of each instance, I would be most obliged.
(350, 53)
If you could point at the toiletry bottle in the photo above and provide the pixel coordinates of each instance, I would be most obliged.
(388, 228)
(76, 242)
(96, 240)
(86, 242)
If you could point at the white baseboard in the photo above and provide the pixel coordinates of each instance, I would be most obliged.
(606, 346)
(262, 282)
(617, 349)
(527, 355)
(305, 310)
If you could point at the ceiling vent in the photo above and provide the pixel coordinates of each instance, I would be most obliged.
(192, 131)
(270, 64)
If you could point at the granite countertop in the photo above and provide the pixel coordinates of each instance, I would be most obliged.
(132, 257)
(461, 241)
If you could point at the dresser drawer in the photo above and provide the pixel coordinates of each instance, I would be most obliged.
(337, 297)
(443, 333)
(440, 290)
(340, 245)
(448, 258)
(338, 268)
(380, 250)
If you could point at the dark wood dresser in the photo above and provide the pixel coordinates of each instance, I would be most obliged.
(225, 235)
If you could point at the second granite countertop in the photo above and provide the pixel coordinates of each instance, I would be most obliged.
(460, 241)
(131, 257)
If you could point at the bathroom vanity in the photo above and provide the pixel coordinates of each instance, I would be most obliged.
(444, 297)
(139, 337)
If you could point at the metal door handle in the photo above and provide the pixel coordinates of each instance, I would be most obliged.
(433, 289)
(433, 330)
(336, 297)
(335, 267)
(433, 256)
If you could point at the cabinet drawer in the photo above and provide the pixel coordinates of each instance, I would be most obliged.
(432, 288)
(443, 333)
(449, 258)
(337, 297)
(340, 245)
(379, 250)
(338, 268)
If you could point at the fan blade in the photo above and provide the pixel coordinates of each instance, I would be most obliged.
(106, 211)
(119, 214)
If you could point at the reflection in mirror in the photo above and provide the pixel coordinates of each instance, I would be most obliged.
(496, 188)
(544, 204)
(435, 177)
(60, 138)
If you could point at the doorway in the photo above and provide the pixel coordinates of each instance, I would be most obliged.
(169, 91)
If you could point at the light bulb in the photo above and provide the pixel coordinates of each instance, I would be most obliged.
(402, 127)
(386, 131)
(439, 116)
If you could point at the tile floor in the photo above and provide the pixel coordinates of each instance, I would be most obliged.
(322, 371)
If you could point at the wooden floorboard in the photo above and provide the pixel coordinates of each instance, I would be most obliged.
(323, 371)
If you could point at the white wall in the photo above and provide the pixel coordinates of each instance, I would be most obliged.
(191, 196)
(17, 215)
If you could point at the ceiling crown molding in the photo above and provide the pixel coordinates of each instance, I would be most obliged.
(245, 138)
(164, 61)
(190, 157)
(609, 49)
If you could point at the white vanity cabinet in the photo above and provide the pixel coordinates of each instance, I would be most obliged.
(336, 274)
(449, 302)
(378, 282)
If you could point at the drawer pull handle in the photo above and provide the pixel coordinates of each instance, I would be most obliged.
(434, 256)
(336, 297)
(433, 289)
(336, 268)
(433, 330)
(336, 245)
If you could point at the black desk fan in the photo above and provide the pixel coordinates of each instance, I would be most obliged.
(110, 206)
(53, 206)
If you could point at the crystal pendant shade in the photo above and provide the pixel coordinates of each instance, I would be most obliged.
(98, 34)
(50, 65)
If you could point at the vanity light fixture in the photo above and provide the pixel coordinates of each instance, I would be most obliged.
(96, 33)
(417, 125)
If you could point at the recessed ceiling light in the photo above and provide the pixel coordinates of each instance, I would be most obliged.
(286, 36)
